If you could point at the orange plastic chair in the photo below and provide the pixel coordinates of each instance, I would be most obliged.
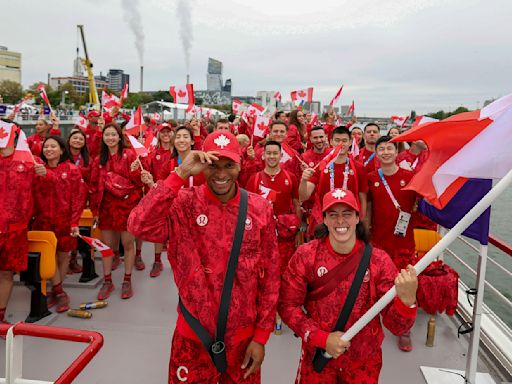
(45, 243)
(425, 239)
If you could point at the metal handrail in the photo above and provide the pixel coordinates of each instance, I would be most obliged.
(488, 258)
(500, 244)
(94, 339)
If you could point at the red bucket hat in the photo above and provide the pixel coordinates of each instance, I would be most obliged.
(223, 142)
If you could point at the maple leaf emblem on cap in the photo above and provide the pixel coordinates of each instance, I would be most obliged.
(222, 141)
(338, 194)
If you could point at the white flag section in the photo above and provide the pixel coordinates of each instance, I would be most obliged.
(139, 149)
(495, 141)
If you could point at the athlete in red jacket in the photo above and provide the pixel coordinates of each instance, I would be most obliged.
(198, 223)
(341, 239)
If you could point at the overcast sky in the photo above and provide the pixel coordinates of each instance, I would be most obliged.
(391, 55)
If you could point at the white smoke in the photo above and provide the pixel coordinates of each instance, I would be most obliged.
(185, 20)
(134, 20)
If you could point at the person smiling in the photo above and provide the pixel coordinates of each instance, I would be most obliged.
(199, 225)
(320, 278)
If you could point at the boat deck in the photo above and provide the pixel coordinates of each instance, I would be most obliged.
(138, 333)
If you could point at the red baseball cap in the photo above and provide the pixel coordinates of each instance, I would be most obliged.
(164, 126)
(225, 143)
(92, 114)
(338, 196)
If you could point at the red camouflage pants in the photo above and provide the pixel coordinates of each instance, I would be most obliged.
(364, 372)
(190, 363)
(286, 250)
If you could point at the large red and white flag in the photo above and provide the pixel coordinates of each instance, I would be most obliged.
(20, 104)
(399, 120)
(255, 110)
(183, 94)
(44, 96)
(456, 145)
(134, 125)
(336, 97)
(109, 101)
(423, 120)
(261, 126)
(22, 151)
(139, 149)
(236, 106)
(277, 96)
(99, 246)
(81, 122)
(7, 134)
(351, 108)
(302, 96)
(124, 92)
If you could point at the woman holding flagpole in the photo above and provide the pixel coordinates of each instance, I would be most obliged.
(336, 278)
(59, 203)
(116, 190)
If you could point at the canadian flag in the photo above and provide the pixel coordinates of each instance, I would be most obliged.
(261, 126)
(124, 92)
(355, 148)
(351, 108)
(208, 114)
(81, 122)
(22, 151)
(302, 96)
(99, 246)
(157, 116)
(314, 119)
(44, 96)
(109, 101)
(255, 109)
(277, 96)
(329, 158)
(267, 193)
(139, 149)
(183, 94)
(287, 153)
(423, 120)
(18, 106)
(150, 141)
(133, 126)
(236, 106)
(336, 97)
(399, 120)
(7, 134)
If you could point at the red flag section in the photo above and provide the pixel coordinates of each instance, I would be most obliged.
(22, 151)
(7, 134)
(336, 97)
(99, 246)
(134, 125)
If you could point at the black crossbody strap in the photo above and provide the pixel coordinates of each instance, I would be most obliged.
(319, 359)
(217, 348)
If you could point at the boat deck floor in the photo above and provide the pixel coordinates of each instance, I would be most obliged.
(137, 334)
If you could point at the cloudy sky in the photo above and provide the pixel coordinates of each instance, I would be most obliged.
(392, 55)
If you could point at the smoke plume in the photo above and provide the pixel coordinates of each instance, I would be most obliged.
(185, 20)
(134, 20)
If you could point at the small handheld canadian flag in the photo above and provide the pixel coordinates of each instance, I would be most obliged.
(139, 149)
(81, 122)
(302, 96)
(22, 151)
(255, 109)
(99, 246)
(135, 122)
(261, 126)
(124, 92)
(277, 96)
(351, 108)
(7, 134)
(44, 96)
(236, 106)
(399, 120)
(183, 95)
(336, 98)
(19, 105)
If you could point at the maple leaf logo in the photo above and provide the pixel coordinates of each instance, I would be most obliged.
(301, 93)
(262, 126)
(222, 141)
(3, 133)
(339, 194)
(182, 93)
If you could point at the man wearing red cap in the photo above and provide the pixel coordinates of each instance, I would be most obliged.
(199, 225)
(319, 279)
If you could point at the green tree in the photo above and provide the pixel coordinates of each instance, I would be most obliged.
(136, 99)
(413, 115)
(11, 91)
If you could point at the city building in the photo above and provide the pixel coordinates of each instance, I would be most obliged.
(117, 79)
(216, 92)
(10, 65)
(214, 75)
(267, 98)
(80, 83)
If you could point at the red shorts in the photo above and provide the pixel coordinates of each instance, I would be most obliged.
(365, 372)
(114, 212)
(191, 363)
(14, 251)
(65, 242)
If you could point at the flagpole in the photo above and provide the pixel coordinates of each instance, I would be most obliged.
(450, 237)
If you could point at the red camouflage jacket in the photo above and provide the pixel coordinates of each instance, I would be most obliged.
(311, 261)
(60, 196)
(199, 229)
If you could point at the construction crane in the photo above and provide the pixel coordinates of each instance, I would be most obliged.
(93, 93)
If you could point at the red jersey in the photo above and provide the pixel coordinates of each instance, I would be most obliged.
(93, 138)
(410, 161)
(368, 159)
(279, 190)
(85, 170)
(199, 230)
(384, 213)
(293, 138)
(60, 196)
(156, 161)
(328, 128)
(312, 158)
(35, 143)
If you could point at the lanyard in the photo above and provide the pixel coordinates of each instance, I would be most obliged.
(388, 190)
(345, 175)
(413, 166)
(77, 162)
(369, 159)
